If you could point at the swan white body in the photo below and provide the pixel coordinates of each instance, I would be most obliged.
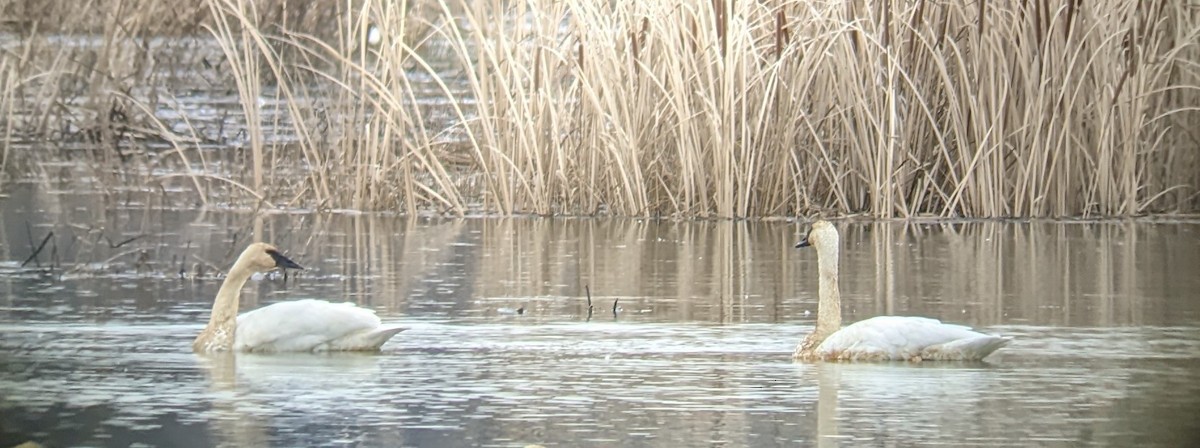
(310, 326)
(882, 338)
(894, 338)
(296, 326)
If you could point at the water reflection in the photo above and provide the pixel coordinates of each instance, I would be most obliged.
(233, 424)
(247, 389)
(982, 274)
(596, 384)
(95, 339)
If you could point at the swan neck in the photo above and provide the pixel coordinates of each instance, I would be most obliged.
(829, 307)
(221, 330)
(225, 308)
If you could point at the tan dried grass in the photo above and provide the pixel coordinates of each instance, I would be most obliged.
(672, 108)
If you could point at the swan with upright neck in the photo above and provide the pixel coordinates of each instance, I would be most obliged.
(882, 338)
(295, 326)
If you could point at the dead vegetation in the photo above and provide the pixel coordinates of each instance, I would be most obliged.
(671, 108)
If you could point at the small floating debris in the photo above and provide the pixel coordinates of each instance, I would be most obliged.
(507, 310)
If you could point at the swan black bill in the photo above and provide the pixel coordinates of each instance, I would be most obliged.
(282, 261)
(803, 243)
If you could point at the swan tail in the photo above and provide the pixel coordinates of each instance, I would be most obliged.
(365, 340)
(969, 349)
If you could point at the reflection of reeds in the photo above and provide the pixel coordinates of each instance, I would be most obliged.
(8, 87)
(682, 108)
(983, 273)
(978, 273)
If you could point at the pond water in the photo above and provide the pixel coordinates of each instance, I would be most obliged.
(95, 331)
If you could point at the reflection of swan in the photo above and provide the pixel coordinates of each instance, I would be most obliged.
(863, 401)
(284, 373)
(296, 326)
(884, 337)
(251, 393)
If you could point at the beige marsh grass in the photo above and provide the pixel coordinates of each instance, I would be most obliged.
(681, 108)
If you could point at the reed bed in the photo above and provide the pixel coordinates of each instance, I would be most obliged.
(680, 108)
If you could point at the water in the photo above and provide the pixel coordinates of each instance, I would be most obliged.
(94, 339)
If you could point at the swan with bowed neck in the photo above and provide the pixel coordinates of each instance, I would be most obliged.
(295, 326)
(882, 338)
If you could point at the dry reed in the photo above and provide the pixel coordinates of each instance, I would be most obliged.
(679, 108)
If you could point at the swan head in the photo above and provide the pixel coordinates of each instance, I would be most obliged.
(263, 257)
(822, 235)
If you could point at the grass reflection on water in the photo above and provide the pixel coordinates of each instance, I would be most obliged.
(1103, 314)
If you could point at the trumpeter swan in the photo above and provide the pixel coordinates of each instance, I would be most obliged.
(879, 338)
(296, 326)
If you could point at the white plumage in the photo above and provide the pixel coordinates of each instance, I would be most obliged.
(882, 338)
(296, 326)
(310, 326)
(885, 338)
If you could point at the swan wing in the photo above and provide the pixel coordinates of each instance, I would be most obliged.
(906, 338)
(303, 325)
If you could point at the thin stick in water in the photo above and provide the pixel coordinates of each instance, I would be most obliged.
(588, 291)
(33, 256)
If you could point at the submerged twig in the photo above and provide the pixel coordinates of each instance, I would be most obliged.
(182, 260)
(203, 266)
(33, 256)
(142, 257)
(112, 245)
(588, 291)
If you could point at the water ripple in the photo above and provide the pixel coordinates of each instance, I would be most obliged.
(600, 383)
